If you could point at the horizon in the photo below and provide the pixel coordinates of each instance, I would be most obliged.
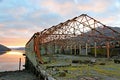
(19, 20)
(15, 46)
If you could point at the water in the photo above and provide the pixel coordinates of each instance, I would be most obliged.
(9, 61)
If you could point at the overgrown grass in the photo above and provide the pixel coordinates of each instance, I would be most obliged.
(110, 69)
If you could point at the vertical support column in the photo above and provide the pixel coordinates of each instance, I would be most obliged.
(54, 47)
(36, 47)
(86, 49)
(51, 48)
(68, 48)
(74, 49)
(71, 49)
(57, 49)
(95, 49)
(46, 50)
(79, 49)
(108, 49)
(65, 48)
(60, 49)
(63, 51)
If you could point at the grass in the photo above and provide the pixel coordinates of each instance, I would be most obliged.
(110, 69)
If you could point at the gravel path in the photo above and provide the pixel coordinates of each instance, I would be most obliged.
(17, 75)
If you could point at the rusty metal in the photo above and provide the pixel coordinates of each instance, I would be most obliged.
(79, 30)
(73, 28)
(36, 47)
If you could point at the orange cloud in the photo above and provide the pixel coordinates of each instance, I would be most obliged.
(13, 41)
(17, 33)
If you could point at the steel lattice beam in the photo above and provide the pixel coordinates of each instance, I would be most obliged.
(79, 30)
(83, 26)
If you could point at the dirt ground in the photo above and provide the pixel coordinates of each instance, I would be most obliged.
(17, 75)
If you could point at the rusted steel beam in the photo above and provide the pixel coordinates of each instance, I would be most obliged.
(61, 27)
(82, 28)
(36, 48)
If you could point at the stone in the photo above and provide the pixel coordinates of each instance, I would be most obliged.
(62, 74)
(102, 64)
(92, 61)
(66, 71)
(75, 61)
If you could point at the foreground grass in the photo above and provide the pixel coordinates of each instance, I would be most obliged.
(107, 71)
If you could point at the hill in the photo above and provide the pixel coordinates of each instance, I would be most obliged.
(116, 28)
(19, 48)
(4, 48)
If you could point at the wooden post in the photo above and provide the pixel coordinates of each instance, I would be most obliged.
(108, 49)
(19, 64)
(86, 49)
(95, 49)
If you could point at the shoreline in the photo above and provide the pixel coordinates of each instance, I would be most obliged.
(17, 75)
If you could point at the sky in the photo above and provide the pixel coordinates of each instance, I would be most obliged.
(20, 19)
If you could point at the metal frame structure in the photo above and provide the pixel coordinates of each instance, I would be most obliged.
(82, 31)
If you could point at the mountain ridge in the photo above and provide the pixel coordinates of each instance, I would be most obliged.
(4, 48)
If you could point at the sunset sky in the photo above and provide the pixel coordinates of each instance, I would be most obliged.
(20, 19)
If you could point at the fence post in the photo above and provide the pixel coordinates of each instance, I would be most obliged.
(19, 64)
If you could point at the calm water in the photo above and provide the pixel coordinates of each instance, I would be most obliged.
(9, 61)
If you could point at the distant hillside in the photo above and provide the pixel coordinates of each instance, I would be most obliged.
(116, 28)
(4, 48)
(20, 48)
(106, 31)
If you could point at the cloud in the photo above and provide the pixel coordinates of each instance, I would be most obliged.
(17, 37)
(69, 7)
(13, 41)
(109, 20)
(18, 32)
(1, 25)
(22, 19)
(17, 12)
(55, 7)
(98, 6)
(20, 29)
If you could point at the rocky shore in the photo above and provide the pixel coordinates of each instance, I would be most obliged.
(17, 75)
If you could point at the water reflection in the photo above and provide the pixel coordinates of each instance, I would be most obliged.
(14, 53)
(10, 60)
(2, 52)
